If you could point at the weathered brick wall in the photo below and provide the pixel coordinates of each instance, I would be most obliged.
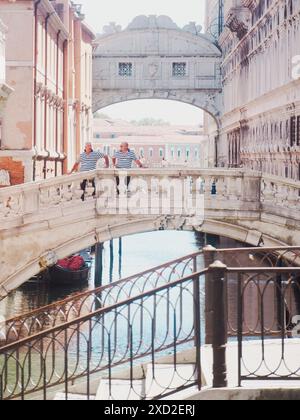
(15, 168)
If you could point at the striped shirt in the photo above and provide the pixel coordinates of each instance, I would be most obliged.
(125, 160)
(88, 162)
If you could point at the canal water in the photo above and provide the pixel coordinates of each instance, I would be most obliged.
(121, 258)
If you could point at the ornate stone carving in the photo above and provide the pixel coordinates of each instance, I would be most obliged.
(48, 259)
(238, 20)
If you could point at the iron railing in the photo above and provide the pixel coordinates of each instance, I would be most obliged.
(164, 320)
(86, 302)
(274, 296)
(168, 320)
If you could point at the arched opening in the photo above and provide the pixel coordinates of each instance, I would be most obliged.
(160, 131)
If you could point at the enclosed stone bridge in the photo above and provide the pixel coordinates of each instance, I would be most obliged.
(155, 59)
(43, 221)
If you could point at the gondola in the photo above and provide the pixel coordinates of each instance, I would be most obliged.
(64, 276)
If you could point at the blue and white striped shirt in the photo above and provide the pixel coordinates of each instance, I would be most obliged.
(125, 160)
(88, 162)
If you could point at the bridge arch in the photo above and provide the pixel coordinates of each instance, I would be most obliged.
(155, 59)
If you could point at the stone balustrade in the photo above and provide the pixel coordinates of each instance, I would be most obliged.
(280, 197)
(217, 190)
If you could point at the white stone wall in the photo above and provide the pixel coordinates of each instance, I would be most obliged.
(261, 119)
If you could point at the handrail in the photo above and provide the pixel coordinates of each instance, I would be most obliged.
(102, 288)
(129, 330)
(76, 304)
(102, 311)
(119, 345)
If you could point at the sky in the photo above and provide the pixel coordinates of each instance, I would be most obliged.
(173, 112)
(99, 13)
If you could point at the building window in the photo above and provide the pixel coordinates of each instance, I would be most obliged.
(98, 136)
(179, 153)
(125, 69)
(188, 154)
(179, 69)
(172, 153)
(151, 153)
(196, 154)
(142, 153)
(161, 153)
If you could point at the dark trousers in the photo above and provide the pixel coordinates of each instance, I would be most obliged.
(128, 179)
(84, 185)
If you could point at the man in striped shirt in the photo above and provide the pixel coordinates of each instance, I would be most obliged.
(86, 162)
(123, 159)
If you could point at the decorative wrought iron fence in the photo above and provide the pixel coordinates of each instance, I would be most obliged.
(165, 319)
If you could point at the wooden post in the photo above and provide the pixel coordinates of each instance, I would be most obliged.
(99, 264)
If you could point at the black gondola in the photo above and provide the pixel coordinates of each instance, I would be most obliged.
(63, 276)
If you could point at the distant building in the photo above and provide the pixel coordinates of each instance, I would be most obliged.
(177, 145)
(49, 66)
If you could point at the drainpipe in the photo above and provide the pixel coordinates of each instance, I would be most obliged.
(46, 84)
(65, 105)
(36, 6)
(57, 91)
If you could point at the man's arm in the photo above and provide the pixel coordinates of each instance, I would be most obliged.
(138, 163)
(114, 161)
(75, 167)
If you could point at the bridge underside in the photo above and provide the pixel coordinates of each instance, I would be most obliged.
(206, 100)
(58, 240)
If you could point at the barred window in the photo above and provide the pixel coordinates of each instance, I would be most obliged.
(125, 69)
(179, 69)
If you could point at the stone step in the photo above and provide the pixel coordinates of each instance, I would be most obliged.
(121, 389)
(60, 396)
(163, 379)
(160, 380)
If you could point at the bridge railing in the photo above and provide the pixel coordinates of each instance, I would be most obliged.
(280, 197)
(219, 193)
(141, 328)
(79, 304)
(151, 191)
(167, 321)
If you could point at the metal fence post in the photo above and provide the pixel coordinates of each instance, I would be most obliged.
(209, 258)
(218, 272)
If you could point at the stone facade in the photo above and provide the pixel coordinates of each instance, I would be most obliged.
(261, 86)
(48, 114)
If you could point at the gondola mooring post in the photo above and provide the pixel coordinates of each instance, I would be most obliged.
(99, 264)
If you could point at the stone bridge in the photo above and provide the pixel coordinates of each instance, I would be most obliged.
(155, 59)
(43, 221)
